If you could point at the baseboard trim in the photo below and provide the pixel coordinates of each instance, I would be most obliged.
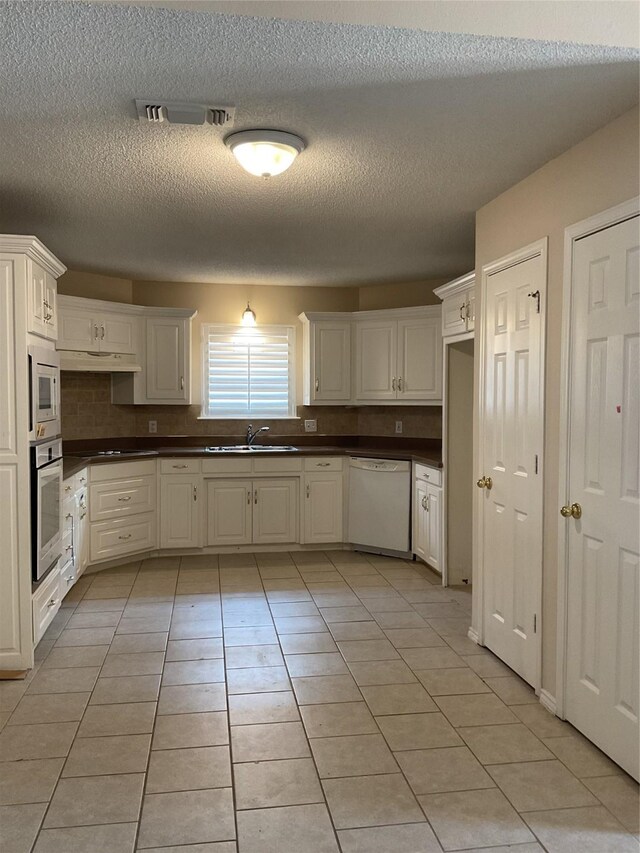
(473, 635)
(548, 701)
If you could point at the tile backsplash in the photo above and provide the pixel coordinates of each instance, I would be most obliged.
(88, 413)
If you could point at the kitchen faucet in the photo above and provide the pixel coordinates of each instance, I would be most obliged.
(251, 436)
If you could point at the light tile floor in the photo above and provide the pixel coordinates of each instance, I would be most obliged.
(289, 703)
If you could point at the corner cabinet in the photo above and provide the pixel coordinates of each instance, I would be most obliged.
(154, 346)
(458, 305)
(326, 346)
(398, 357)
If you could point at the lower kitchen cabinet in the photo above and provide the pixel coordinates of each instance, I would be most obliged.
(46, 603)
(427, 521)
(322, 507)
(180, 505)
(245, 512)
(123, 536)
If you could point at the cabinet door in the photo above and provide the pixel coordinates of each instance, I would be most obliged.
(116, 333)
(434, 539)
(81, 531)
(275, 511)
(179, 511)
(375, 359)
(471, 310)
(229, 512)
(50, 307)
(166, 360)
(420, 520)
(37, 284)
(322, 508)
(331, 361)
(77, 331)
(454, 315)
(420, 359)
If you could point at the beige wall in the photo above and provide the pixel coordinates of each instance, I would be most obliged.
(93, 286)
(400, 294)
(596, 174)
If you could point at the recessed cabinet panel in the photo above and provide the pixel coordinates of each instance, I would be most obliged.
(434, 539)
(229, 512)
(180, 511)
(419, 359)
(376, 345)
(77, 332)
(275, 515)
(166, 360)
(118, 537)
(322, 507)
(332, 361)
(117, 333)
(115, 498)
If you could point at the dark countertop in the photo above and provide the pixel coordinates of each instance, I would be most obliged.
(77, 454)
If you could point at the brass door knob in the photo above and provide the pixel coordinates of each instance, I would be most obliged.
(571, 511)
(485, 483)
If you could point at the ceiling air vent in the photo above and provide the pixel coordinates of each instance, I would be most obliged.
(173, 112)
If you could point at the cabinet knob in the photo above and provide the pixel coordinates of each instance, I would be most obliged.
(53, 602)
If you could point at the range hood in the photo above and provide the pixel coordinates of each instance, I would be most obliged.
(98, 362)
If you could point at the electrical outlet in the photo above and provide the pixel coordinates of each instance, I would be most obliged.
(153, 426)
(311, 426)
(398, 427)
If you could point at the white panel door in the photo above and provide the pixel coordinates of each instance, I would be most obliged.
(419, 363)
(322, 507)
(229, 512)
(275, 511)
(77, 332)
(420, 520)
(166, 360)
(604, 478)
(434, 524)
(331, 376)
(511, 450)
(117, 333)
(375, 359)
(179, 511)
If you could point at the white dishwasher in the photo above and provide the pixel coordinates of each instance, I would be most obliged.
(380, 504)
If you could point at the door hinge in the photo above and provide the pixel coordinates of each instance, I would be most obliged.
(535, 623)
(536, 463)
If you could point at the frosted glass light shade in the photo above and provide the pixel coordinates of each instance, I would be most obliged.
(264, 153)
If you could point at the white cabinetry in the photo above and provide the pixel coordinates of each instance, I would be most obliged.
(427, 515)
(180, 504)
(326, 344)
(275, 511)
(122, 505)
(322, 503)
(87, 325)
(46, 603)
(259, 512)
(458, 305)
(167, 356)
(42, 302)
(75, 539)
(229, 512)
(398, 357)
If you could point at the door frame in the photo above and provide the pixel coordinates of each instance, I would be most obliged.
(537, 249)
(446, 341)
(591, 225)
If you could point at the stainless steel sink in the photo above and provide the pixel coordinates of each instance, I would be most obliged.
(251, 448)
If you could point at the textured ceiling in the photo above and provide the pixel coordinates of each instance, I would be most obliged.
(408, 134)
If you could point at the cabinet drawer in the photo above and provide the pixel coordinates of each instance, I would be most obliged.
(123, 536)
(67, 578)
(323, 463)
(430, 475)
(277, 466)
(179, 466)
(226, 466)
(45, 603)
(122, 470)
(117, 498)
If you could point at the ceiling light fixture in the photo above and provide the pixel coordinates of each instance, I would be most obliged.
(248, 316)
(265, 153)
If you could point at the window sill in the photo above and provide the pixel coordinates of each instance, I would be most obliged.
(248, 418)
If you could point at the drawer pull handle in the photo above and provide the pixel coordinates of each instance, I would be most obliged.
(83, 516)
(308, 491)
(317, 384)
(323, 464)
(83, 479)
(128, 536)
(67, 488)
(69, 548)
(248, 496)
(124, 500)
(53, 602)
(195, 493)
(255, 497)
(182, 383)
(68, 515)
(179, 466)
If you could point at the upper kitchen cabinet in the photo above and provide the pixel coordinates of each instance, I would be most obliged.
(168, 351)
(42, 292)
(398, 356)
(326, 343)
(90, 325)
(458, 305)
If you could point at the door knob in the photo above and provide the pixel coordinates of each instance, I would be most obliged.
(485, 483)
(571, 511)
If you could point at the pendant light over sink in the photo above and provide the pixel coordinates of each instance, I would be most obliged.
(265, 153)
